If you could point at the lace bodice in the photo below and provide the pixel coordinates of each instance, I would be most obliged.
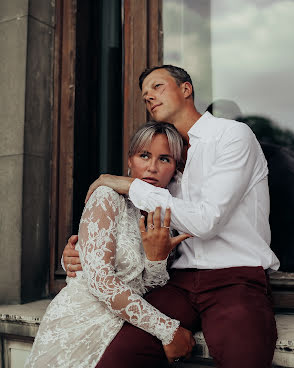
(85, 316)
(109, 254)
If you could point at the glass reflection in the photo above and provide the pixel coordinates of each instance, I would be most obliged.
(240, 56)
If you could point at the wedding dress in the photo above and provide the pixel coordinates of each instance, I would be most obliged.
(86, 315)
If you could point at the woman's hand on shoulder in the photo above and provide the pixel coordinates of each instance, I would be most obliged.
(156, 238)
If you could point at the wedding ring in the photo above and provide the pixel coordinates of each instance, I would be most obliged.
(167, 227)
(151, 226)
(67, 267)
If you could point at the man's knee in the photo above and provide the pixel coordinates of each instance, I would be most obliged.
(243, 337)
(132, 348)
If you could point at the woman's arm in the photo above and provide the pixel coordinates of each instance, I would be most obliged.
(97, 240)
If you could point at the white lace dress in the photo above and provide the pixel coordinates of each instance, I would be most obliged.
(85, 316)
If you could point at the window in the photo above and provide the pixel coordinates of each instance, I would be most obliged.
(240, 56)
(101, 48)
(88, 134)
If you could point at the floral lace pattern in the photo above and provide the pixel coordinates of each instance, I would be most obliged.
(87, 314)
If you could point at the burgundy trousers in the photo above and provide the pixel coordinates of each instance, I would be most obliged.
(232, 307)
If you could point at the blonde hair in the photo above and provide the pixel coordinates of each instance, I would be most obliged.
(144, 136)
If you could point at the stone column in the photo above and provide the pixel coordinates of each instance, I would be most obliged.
(26, 87)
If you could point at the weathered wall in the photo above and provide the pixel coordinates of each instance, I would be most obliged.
(26, 93)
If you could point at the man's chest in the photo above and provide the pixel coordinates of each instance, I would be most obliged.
(200, 164)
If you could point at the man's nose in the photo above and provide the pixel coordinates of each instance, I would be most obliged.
(149, 96)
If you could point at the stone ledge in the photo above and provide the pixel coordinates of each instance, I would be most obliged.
(24, 320)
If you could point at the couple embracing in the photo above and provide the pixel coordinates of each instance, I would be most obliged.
(124, 308)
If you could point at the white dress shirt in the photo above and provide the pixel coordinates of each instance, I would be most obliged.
(221, 199)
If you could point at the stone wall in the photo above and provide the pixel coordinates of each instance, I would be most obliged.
(26, 94)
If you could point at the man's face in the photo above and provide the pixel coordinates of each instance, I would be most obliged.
(164, 99)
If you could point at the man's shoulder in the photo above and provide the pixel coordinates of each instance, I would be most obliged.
(232, 128)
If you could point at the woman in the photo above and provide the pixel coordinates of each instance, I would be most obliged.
(86, 315)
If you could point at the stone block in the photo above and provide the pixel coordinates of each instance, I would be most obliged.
(13, 45)
(11, 172)
(10, 9)
(43, 10)
(39, 89)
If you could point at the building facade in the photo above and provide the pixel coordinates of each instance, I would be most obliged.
(69, 102)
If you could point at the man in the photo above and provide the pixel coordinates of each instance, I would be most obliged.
(220, 279)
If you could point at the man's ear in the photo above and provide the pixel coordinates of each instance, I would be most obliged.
(187, 89)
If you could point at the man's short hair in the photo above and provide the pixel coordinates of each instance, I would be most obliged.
(179, 74)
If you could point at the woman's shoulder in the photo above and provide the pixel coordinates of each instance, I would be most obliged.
(105, 194)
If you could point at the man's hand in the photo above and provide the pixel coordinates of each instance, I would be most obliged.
(71, 257)
(156, 239)
(181, 346)
(121, 184)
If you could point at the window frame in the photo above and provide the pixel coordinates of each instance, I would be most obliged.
(62, 139)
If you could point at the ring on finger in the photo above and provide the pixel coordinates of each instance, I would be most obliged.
(167, 227)
(151, 226)
(67, 267)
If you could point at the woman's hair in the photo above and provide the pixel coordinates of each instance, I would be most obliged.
(144, 136)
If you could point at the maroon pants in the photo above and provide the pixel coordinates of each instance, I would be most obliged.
(232, 306)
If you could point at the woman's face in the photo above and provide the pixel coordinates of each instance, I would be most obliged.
(154, 163)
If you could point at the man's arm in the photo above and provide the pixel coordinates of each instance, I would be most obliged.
(227, 182)
(121, 184)
(238, 165)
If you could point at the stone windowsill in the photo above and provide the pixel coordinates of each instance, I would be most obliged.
(23, 320)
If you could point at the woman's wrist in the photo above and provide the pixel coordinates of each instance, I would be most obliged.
(157, 258)
(156, 261)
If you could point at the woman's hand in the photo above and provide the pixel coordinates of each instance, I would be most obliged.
(157, 241)
(181, 346)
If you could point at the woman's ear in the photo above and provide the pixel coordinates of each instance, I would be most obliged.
(129, 166)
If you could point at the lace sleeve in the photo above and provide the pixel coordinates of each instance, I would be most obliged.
(97, 241)
(155, 273)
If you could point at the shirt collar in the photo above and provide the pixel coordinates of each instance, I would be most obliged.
(202, 128)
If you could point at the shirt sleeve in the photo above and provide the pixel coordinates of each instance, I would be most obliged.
(239, 164)
(97, 242)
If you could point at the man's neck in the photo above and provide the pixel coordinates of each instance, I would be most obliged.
(185, 122)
